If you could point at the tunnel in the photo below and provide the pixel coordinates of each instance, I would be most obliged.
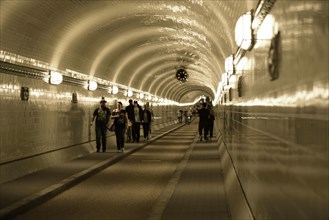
(261, 66)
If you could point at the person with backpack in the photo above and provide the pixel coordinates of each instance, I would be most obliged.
(102, 117)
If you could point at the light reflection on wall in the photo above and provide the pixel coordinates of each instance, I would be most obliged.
(45, 94)
(25, 61)
(266, 31)
(9, 89)
(319, 96)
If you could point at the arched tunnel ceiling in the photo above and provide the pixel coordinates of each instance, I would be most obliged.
(139, 44)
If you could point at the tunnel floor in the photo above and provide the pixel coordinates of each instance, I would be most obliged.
(172, 177)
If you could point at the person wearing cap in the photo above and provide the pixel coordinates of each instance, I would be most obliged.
(102, 117)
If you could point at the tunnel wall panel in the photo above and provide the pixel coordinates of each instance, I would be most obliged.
(277, 132)
(49, 127)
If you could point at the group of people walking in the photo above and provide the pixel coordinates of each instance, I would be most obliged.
(184, 116)
(137, 117)
(129, 120)
(206, 122)
(125, 121)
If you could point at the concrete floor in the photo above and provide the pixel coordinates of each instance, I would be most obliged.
(174, 177)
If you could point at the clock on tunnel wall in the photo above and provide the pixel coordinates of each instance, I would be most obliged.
(182, 75)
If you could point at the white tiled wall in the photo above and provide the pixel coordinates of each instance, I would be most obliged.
(277, 132)
(48, 123)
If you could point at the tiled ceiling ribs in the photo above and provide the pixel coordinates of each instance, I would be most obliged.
(139, 44)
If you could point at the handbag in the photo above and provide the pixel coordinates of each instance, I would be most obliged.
(112, 128)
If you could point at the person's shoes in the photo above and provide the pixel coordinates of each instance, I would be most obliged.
(123, 150)
(104, 150)
(118, 151)
(200, 138)
(97, 150)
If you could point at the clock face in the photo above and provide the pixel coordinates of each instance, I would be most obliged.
(182, 75)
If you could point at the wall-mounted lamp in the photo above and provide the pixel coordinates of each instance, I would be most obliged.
(130, 93)
(266, 32)
(243, 31)
(141, 95)
(233, 81)
(92, 85)
(224, 80)
(53, 78)
(243, 65)
(115, 90)
(229, 65)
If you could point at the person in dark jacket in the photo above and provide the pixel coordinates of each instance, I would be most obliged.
(204, 116)
(147, 117)
(102, 116)
(130, 113)
(136, 124)
(121, 123)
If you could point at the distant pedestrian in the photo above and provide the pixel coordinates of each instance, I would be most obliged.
(204, 116)
(152, 118)
(121, 123)
(130, 113)
(179, 115)
(102, 117)
(136, 124)
(189, 115)
(185, 116)
(146, 121)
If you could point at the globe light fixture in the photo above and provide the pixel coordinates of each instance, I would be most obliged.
(130, 93)
(92, 85)
(115, 90)
(229, 65)
(243, 31)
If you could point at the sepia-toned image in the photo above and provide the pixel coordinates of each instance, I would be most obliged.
(164, 109)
